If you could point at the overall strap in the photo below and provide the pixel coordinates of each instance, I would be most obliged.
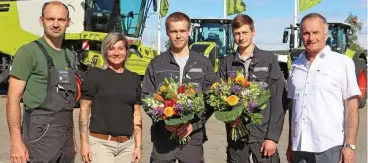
(67, 60)
(50, 63)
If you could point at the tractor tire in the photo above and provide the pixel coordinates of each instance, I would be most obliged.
(361, 73)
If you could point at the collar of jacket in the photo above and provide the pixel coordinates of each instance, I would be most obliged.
(172, 58)
(255, 57)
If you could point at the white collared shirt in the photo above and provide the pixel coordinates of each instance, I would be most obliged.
(318, 92)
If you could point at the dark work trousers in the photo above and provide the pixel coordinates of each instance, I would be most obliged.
(169, 153)
(49, 138)
(239, 152)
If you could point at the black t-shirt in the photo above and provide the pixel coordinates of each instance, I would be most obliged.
(113, 97)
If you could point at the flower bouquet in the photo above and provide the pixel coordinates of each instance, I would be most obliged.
(238, 97)
(175, 104)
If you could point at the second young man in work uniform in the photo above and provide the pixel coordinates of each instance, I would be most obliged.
(258, 66)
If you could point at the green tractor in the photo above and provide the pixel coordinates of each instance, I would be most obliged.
(212, 37)
(339, 34)
(91, 21)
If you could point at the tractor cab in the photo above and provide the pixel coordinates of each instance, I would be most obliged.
(337, 40)
(212, 38)
(338, 36)
(127, 16)
(104, 16)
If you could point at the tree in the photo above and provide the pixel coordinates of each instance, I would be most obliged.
(357, 27)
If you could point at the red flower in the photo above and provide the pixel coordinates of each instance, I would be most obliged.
(181, 89)
(168, 103)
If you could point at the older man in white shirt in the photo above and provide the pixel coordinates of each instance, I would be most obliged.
(324, 92)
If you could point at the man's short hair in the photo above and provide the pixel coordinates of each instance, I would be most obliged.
(177, 16)
(313, 16)
(54, 3)
(241, 20)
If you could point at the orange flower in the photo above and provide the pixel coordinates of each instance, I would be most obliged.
(169, 111)
(232, 100)
(158, 97)
(245, 84)
(240, 79)
(191, 92)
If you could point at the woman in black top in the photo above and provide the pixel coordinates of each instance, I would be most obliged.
(113, 96)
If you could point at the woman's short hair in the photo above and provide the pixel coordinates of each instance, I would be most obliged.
(110, 41)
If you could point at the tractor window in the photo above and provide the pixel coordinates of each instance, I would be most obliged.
(119, 16)
(132, 12)
(337, 39)
(341, 35)
(100, 15)
(212, 32)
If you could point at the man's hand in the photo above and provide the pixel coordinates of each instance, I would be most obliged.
(235, 123)
(137, 155)
(289, 155)
(19, 152)
(86, 152)
(268, 148)
(184, 130)
(172, 128)
(347, 155)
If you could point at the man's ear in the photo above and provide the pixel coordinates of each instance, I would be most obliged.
(253, 32)
(68, 22)
(41, 21)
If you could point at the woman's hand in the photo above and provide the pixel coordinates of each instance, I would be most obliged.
(137, 155)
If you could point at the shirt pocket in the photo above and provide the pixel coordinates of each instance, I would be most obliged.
(324, 79)
(260, 76)
(159, 76)
(196, 78)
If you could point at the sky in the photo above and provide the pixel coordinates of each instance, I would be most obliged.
(271, 17)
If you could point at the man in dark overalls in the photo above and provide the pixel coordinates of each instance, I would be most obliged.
(42, 72)
(259, 66)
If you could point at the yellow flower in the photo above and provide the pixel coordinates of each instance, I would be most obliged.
(240, 79)
(232, 100)
(250, 84)
(168, 111)
(215, 85)
(163, 89)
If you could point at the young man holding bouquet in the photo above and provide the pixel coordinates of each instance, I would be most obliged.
(185, 67)
(258, 66)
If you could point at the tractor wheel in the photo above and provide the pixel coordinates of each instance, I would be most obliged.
(361, 70)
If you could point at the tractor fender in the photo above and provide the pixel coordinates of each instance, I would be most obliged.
(209, 50)
(360, 60)
(360, 54)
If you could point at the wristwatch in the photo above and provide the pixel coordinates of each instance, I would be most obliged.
(351, 146)
(141, 147)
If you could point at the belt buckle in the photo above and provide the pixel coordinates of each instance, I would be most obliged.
(121, 139)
